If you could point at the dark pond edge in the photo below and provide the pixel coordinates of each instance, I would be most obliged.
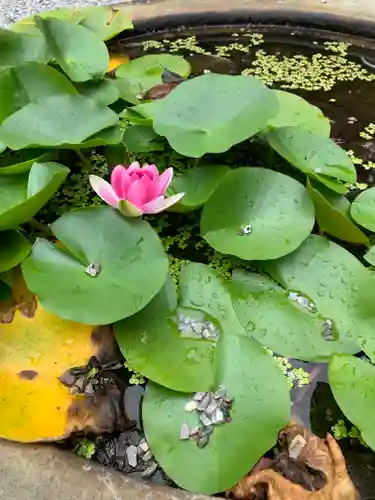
(253, 16)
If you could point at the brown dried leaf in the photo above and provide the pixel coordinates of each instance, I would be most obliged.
(325, 455)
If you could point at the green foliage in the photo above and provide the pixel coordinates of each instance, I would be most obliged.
(211, 113)
(57, 103)
(249, 215)
(57, 121)
(332, 214)
(145, 72)
(198, 184)
(23, 195)
(317, 156)
(132, 266)
(261, 403)
(296, 112)
(353, 385)
(77, 50)
(363, 209)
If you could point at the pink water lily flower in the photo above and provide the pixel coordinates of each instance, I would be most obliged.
(136, 190)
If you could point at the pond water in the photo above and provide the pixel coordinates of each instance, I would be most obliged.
(337, 74)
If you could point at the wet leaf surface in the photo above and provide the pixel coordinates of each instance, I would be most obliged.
(163, 346)
(22, 48)
(29, 82)
(284, 326)
(58, 120)
(212, 112)
(313, 154)
(107, 21)
(198, 184)
(22, 195)
(363, 209)
(14, 247)
(339, 285)
(146, 71)
(104, 92)
(131, 260)
(332, 212)
(251, 212)
(261, 407)
(295, 111)
(352, 382)
(79, 52)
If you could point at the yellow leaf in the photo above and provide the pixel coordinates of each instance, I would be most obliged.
(36, 348)
(115, 60)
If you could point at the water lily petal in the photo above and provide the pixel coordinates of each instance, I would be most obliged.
(133, 167)
(120, 181)
(128, 209)
(164, 180)
(104, 190)
(161, 203)
(151, 170)
(136, 193)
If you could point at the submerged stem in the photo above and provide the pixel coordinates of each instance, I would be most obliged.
(86, 164)
(42, 228)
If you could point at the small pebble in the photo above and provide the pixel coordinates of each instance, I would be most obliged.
(211, 407)
(143, 446)
(205, 419)
(218, 417)
(131, 455)
(184, 432)
(89, 390)
(198, 396)
(92, 270)
(191, 406)
(150, 471)
(147, 456)
(202, 405)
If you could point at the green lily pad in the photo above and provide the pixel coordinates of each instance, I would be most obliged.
(132, 266)
(339, 285)
(107, 21)
(57, 120)
(14, 247)
(156, 345)
(370, 256)
(111, 135)
(352, 381)
(145, 72)
(281, 324)
(296, 112)
(23, 195)
(333, 214)
(312, 153)
(198, 184)
(212, 112)
(363, 209)
(19, 48)
(78, 51)
(254, 282)
(334, 185)
(141, 139)
(28, 157)
(29, 82)
(128, 92)
(104, 91)
(164, 341)
(260, 409)
(257, 214)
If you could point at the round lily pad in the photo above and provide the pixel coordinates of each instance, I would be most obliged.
(109, 267)
(363, 209)
(172, 341)
(261, 408)
(257, 214)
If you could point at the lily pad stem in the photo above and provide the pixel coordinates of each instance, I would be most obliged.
(86, 164)
(41, 228)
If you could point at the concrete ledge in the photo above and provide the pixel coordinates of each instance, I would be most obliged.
(42, 472)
